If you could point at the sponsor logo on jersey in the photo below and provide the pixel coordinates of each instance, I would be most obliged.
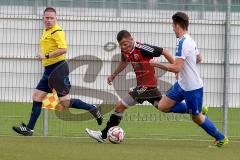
(136, 57)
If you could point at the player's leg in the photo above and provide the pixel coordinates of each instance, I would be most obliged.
(137, 95)
(152, 95)
(205, 123)
(37, 97)
(39, 93)
(27, 130)
(66, 101)
(165, 104)
(194, 100)
(59, 80)
(114, 119)
(172, 102)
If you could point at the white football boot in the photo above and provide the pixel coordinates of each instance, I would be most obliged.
(97, 135)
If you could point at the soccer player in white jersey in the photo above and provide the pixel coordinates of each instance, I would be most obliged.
(189, 85)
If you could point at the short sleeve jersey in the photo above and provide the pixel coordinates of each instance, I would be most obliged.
(139, 57)
(51, 40)
(189, 75)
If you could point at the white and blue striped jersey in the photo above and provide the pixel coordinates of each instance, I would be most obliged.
(189, 75)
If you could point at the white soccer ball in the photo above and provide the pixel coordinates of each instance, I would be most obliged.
(116, 134)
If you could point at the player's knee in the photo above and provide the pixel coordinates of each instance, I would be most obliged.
(199, 119)
(120, 107)
(65, 103)
(34, 97)
(165, 110)
(37, 96)
(165, 104)
(162, 108)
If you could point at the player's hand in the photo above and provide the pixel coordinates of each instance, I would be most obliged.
(110, 79)
(40, 56)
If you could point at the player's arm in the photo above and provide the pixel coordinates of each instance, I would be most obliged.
(54, 54)
(168, 56)
(120, 67)
(175, 67)
(199, 58)
(59, 37)
(149, 50)
(57, 53)
(154, 51)
(178, 62)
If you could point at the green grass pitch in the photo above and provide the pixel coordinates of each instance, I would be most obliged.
(39, 148)
(149, 135)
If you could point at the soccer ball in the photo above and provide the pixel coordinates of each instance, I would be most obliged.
(116, 135)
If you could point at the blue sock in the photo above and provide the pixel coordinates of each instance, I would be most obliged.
(36, 110)
(180, 108)
(211, 129)
(78, 104)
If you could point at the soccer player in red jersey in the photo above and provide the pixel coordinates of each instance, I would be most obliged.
(138, 55)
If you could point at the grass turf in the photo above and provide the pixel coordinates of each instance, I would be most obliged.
(139, 121)
(142, 121)
(38, 148)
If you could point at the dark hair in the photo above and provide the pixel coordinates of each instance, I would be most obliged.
(123, 34)
(50, 9)
(181, 19)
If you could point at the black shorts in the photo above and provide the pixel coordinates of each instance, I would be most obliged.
(140, 94)
(55, 76)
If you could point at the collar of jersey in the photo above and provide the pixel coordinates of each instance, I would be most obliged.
(185, 35)
(134, 45)
(53, 28)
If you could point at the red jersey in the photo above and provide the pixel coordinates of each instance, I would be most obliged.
(139, 57)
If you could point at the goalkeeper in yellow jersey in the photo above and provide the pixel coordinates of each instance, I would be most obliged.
(53, 50)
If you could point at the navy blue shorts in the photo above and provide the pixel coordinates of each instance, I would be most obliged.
(44, 85)
(193, 99)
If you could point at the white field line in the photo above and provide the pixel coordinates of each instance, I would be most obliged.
(158, 139)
